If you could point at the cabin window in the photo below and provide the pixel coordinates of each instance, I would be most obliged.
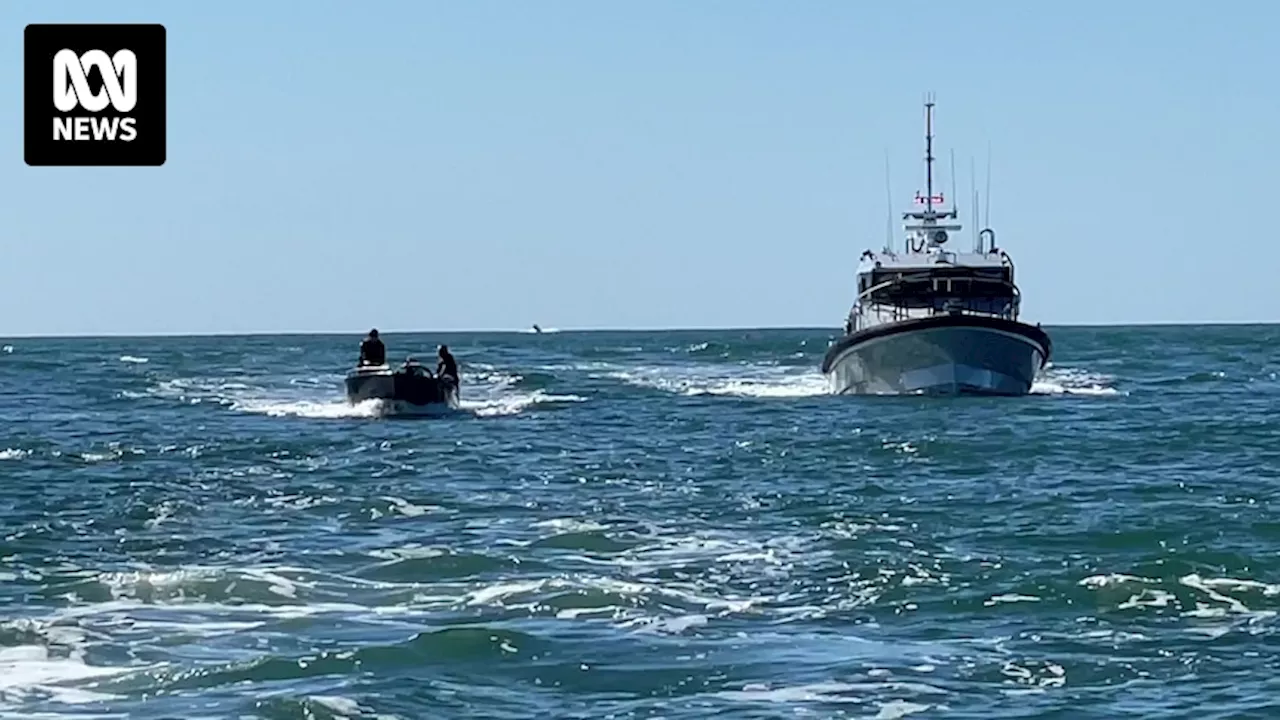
(982, 290)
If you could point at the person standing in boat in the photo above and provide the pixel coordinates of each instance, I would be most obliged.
(372, 351)
(448, 366)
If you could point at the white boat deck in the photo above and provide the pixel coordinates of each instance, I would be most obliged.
(929, 259)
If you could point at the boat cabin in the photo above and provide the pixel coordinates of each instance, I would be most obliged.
(984, 290)
(928, 279)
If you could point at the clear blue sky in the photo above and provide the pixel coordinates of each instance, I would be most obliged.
(486, 165)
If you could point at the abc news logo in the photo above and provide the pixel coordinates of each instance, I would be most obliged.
(71, 90)
(108, 101)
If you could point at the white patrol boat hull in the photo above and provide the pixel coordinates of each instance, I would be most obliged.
(939, 355)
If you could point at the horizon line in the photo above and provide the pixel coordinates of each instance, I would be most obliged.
(560, 331)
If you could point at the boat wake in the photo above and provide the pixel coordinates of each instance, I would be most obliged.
(773, 381)
(487, 393)
(1074, 381)
(493, 392)
(746, 380)
(512, 404)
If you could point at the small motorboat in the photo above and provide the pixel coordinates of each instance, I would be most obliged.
(410, 388)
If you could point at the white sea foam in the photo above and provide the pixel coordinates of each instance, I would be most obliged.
(30, 670)
(760, 380)
(516, 402)
(1074, 381)
(744, 380)
(311, 408)
(485, 393)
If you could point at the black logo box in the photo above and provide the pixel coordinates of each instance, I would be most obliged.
(42, 42)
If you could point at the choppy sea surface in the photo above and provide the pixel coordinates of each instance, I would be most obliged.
(637, 525)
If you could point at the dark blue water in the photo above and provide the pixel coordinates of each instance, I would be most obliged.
(638, 525)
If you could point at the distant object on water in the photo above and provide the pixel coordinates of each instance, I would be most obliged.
(537, 329)
(936, 321)
(412, 388)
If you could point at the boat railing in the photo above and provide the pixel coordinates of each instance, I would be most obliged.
(867, 313)
(940, 298)
(937, 283)
(865, 316)
(876, 288)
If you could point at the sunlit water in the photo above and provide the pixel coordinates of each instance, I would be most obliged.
(637, 525)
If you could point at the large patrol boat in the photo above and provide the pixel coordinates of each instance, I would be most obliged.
(933, 320)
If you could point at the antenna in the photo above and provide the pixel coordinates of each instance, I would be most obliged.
(955, 207)
(888, 209)
(987, 221)
(973, 183)
(928, 152)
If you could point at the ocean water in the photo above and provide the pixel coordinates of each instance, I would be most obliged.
(637, 525)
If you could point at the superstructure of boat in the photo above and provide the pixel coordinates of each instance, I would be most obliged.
(934, 320)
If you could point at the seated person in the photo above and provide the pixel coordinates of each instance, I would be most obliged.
(372, 351)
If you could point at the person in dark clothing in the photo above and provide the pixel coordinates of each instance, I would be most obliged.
(447, 365)
(372, 351)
